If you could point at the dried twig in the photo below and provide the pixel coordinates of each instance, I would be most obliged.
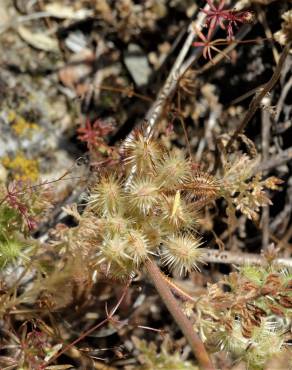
(277, 160)
(256, 101)
(109, 317)
(263, 19)
(170, 85)
(266, 127)
(226, 257)
(282, 98)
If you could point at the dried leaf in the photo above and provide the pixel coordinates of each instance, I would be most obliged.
(38, 40)
(62, 11)
(80, 66)
(59, 367)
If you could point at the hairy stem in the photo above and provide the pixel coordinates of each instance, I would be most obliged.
(180, 318)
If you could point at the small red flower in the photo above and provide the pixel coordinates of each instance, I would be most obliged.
(93, 134)
(215, 16)
(234, 17)
(207, 45)
(220, 16)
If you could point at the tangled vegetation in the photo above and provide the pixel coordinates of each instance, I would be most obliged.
(163, 246)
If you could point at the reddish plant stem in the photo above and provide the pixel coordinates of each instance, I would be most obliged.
(179, 292)
(182, 321)
(95, 327)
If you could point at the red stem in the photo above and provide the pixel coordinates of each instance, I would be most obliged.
(182, 321)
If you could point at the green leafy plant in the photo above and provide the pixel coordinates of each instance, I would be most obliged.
(250, 320)
(150, 358)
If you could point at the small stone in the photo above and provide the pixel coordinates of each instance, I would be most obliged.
(137, 64)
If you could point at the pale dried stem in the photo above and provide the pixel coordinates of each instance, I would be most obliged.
(226, 257)
(168, 89)
(263, 19)
(266, 128)
(275, 161)
(284, 93)
(256, 101)
(170, 85)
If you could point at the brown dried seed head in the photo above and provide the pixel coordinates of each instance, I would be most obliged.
(272, 284)
(246, 327)
(285, 301)
(249, 287)
(276, 310)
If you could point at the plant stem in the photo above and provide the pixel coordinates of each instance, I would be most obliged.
(236, 258)
(256, 101)
(180, 318)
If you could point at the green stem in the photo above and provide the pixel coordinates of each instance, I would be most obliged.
(180, 318)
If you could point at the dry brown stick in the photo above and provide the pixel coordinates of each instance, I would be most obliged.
(170, 85)
(244, 30)
(282, 98)
(226, 257)
(256, 101)
(168, 89)
(180, 318)
(263, 20)
(277, 160)
(87, 332)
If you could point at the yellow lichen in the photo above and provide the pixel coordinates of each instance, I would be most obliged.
(22, 168)
(20, 125)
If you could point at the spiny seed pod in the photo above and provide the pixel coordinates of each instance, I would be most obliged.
(114, 224)
(172, 170)
(10, 251)
(177, 213)
(143, 194)
(203, 185)
(286, 276)
(137, 246)
(113, 251)
(266, 342)
(230, 340)
(254, 274)
(106, 197)
(141, 152)
(154, 230)
(182, 253)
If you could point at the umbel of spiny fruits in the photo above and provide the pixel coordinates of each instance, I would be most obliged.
(150, 209)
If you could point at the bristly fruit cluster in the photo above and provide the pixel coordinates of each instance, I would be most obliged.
(250, 319)
(131, 215)
(153, 212)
